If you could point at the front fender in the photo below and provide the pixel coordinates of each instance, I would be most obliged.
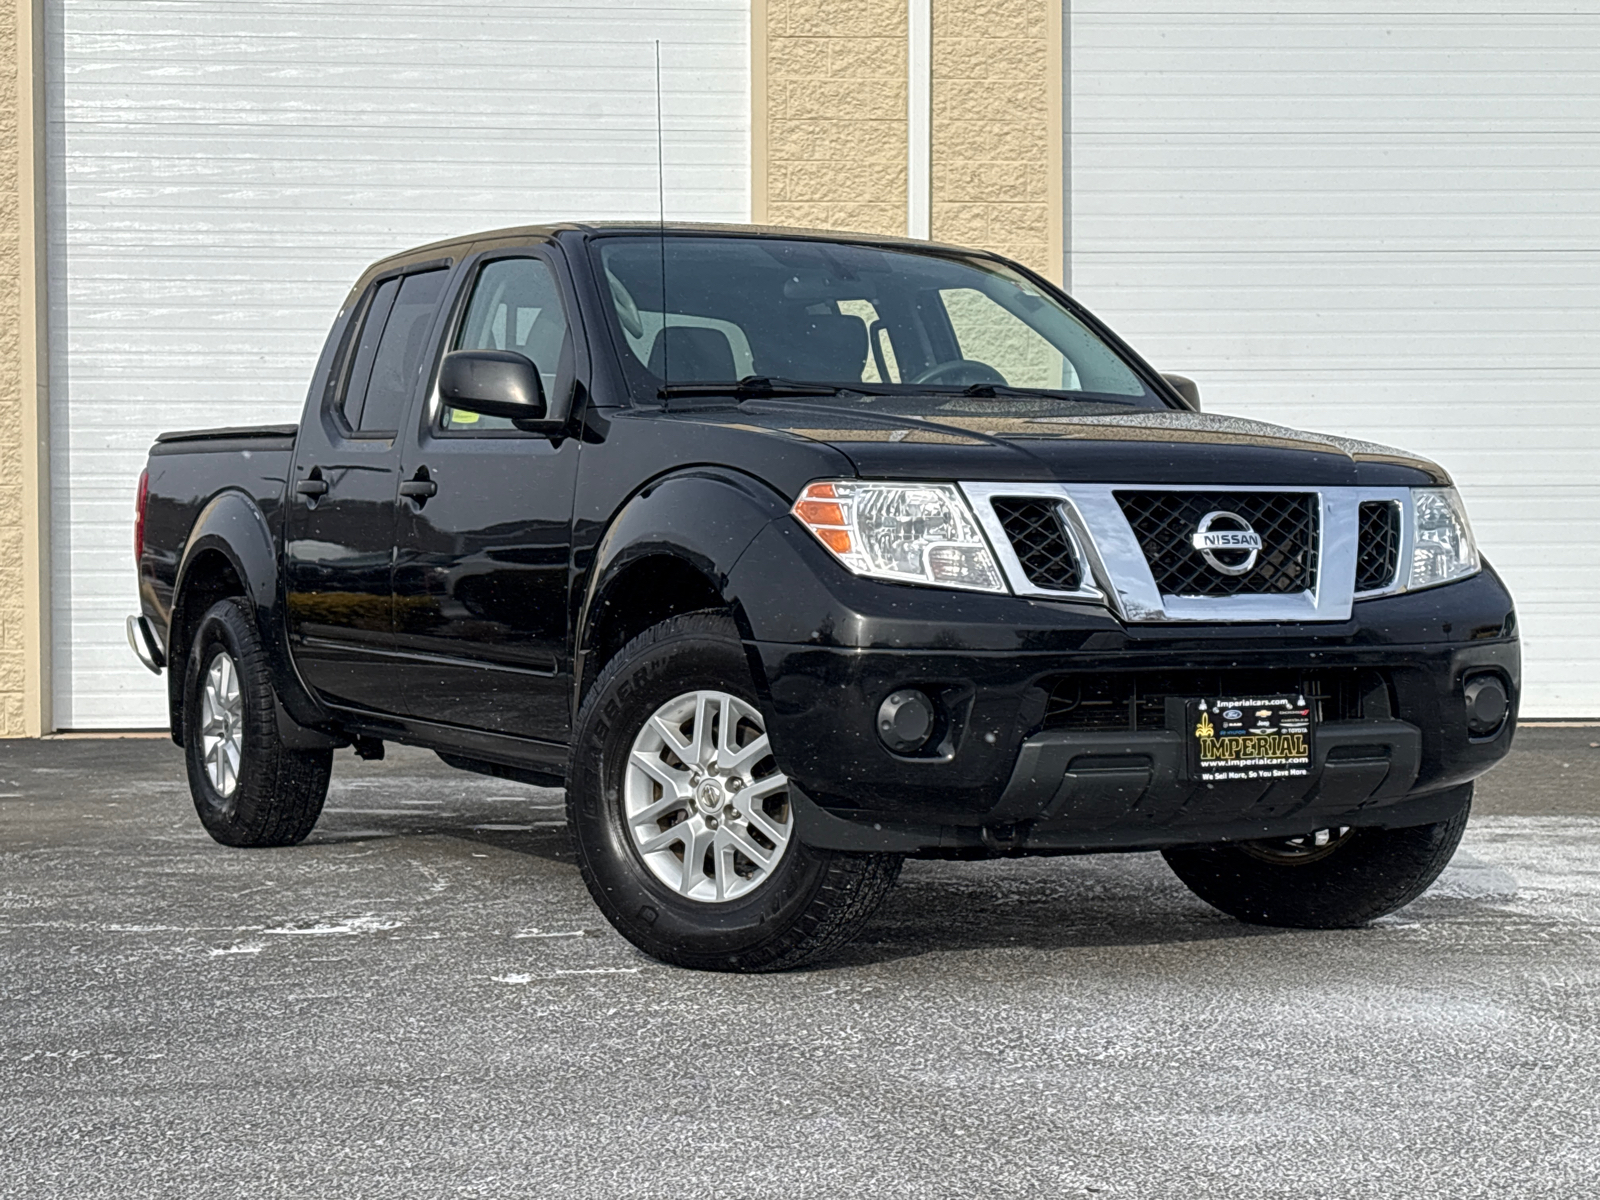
(704, 516)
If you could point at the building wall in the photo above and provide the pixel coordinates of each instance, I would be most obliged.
(220, 173)
(1388, 229)
(996, 121)
(833, 135)
(24, 437)
(829, 148)
(13, 622)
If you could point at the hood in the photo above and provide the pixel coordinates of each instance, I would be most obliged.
(1134, 447)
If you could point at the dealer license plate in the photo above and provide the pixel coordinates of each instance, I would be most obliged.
(1251, 737)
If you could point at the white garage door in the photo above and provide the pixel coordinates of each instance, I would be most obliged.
(1375, 219)
(219, 173)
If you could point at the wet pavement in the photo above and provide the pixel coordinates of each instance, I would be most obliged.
(422, 1001)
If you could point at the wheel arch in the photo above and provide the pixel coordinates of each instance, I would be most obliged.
(669, 550)
(230, 552)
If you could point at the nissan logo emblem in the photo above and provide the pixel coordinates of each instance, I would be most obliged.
(1227, 533)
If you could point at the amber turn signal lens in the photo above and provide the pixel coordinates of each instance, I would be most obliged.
(819, 508)
(820, 512)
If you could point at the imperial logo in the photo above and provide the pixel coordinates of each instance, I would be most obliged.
(1230, 534)
(1265, 747)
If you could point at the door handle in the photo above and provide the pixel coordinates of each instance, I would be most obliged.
(311, 487)
(419, 489)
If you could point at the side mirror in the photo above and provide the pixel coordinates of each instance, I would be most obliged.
(1185, 387)
(496, 383)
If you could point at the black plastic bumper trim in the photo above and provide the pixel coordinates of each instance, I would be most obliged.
(1073, 791)
(1063, 774)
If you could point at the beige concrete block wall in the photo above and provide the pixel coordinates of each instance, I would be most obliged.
(835, 115)
(24, 597)
(13, 623)
(996, 119)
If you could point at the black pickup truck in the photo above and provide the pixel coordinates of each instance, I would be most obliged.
(791, 554)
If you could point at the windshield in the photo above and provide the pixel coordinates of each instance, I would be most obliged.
(840, 323)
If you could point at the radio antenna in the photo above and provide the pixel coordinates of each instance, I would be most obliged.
(661, 224)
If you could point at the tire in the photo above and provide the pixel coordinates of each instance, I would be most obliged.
(702, 902)
(1360, 875)
(275, 794)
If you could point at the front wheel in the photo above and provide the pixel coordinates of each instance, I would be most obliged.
(681, 818)
(1335, 878)
(248, 787)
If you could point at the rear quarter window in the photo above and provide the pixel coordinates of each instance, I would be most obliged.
(391, 350)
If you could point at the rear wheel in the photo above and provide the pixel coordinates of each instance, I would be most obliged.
(1332, 878)
(248, 787)
(681, 818)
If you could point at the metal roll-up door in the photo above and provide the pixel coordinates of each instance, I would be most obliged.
(1376, 220)
(219, 173)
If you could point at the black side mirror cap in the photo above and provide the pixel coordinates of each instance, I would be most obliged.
(1185, 387)
(497, 383)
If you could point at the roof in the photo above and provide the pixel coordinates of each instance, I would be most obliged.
(677, 227)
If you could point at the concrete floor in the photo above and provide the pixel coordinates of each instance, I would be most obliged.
(421, 1001)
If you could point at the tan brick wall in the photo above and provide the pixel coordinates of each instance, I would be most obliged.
(13, 625)
(992, 127)
(836, 114)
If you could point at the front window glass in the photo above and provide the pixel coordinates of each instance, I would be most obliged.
(516, 305)
(899, 329)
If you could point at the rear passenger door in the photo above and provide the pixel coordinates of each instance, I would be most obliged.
(482, 567)
(339, 530)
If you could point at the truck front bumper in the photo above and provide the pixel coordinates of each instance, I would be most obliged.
(997, 781)
(1015, 766)
(1008, 771)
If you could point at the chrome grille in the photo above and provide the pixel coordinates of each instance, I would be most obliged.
(1378, 550)
(1165, 522)
(1036, 534)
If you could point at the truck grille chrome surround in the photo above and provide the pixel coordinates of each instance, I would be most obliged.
(1128, 553)
(1038, 534)
(1378, 549)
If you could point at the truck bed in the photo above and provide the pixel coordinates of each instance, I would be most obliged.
(188, 470)
(208, 439)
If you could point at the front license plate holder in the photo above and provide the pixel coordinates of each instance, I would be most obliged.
(1251, 738)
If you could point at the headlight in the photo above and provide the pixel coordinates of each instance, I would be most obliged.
(1442, 548)
(909, 532)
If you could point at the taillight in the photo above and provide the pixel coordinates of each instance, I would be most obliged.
(138, 518)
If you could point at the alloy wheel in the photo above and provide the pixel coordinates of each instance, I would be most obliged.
(1303, 848)
(222, 725)
(705, 805)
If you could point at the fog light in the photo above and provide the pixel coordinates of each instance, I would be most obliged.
(905, 720)
(1487, 704)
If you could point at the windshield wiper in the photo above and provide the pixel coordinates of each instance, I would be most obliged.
(751, 387)
(988, 391)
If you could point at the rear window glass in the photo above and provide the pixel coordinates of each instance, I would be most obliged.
(372, 322)
(389, 357)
